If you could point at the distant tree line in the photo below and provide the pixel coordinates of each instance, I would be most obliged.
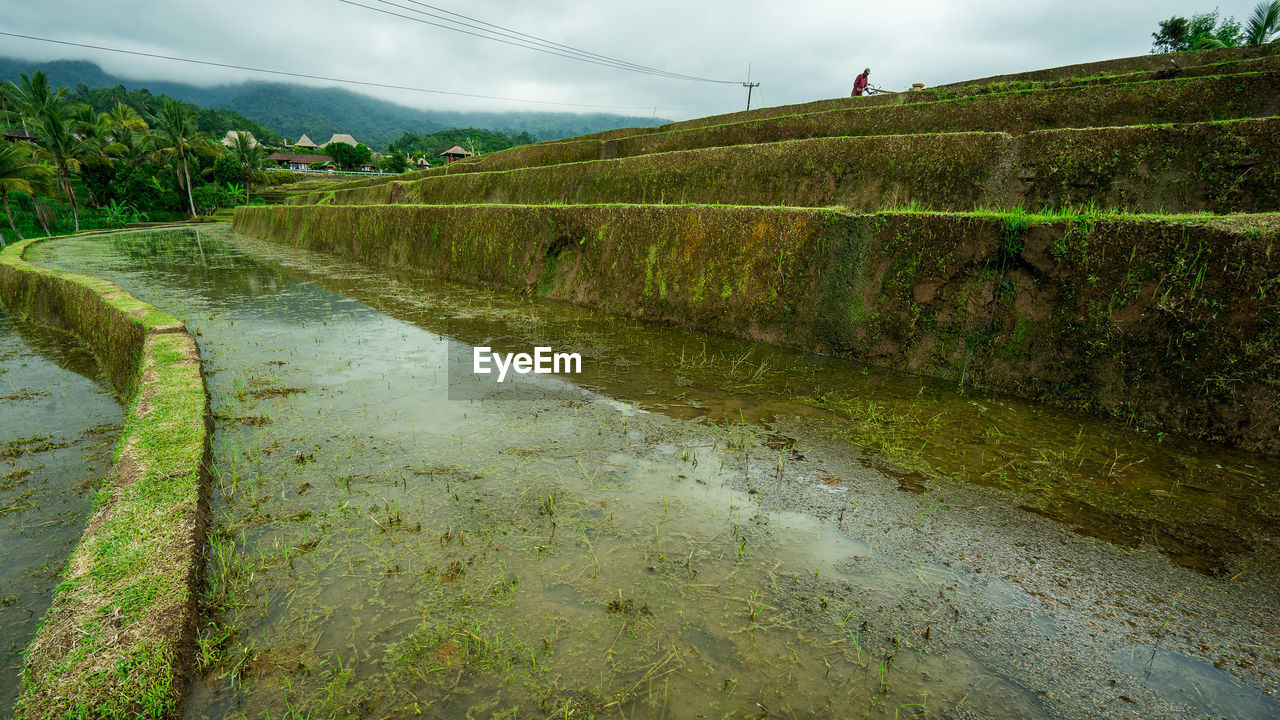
(214, 122)
(1206, 31)
(290, 109)
(472, 139)
(123, 163)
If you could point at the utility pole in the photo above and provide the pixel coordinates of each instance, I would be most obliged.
(749, 86)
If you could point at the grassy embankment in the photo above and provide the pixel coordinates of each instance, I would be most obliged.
(117, 642)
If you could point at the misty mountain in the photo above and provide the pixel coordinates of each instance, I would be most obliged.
(291, 110)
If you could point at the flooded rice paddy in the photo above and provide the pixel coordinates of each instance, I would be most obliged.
(58, 426)
(693, 527)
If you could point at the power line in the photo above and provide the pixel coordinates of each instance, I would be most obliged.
(307, 76)
(459, 30)
(522, 40)
(552, 43)
(555, 47)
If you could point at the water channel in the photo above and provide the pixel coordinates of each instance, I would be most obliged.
(58, 425)
(693, 527)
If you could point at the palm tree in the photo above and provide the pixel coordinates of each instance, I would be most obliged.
(66, 132)
(19, 172)
(33, 97)
(129, 133)
(60, 139)
(177, 135)
(1264, 23)
(123, 119)
(138, 149)
(97, 143)
(250, 154)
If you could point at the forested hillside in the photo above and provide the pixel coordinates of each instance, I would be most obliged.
(214, 122)
(289, 110)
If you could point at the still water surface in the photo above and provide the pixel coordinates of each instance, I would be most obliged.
(594, 546)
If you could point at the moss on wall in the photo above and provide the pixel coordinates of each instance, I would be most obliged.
(1161, 321)
(1222, 167)
(1014, 109)
(118, 641)
(1225, 166)
(938, 170)
(1093, 74)
(1019, 112)
(1139, 63)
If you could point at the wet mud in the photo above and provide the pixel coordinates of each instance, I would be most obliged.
(694, 527)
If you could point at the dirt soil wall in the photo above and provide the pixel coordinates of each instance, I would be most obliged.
(1231, 166)
(1016, 110)
(1169, 323)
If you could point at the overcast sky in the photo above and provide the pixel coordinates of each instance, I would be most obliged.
(798, 51)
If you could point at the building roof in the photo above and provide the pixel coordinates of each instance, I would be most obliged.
(298, 158)
(457, 150)
(230, 139)
(341, 138)
(305, 141)
(19, 134)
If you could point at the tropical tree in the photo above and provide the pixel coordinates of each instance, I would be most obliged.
(177, 136)
(250, 155)
(19, 172)
(33, 97)
(128, 132)
(394, 161)
(1264, 23)
(123, 119)
(67, 133)
(97, 144)
(63, 140)
(348, 156)
(1204, 31)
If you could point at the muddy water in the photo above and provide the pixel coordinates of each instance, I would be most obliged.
(694, 527)
(58, 425)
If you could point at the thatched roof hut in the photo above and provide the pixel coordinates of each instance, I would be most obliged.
(298, 161)
(456, 153)
(230, 139)
(341, 138)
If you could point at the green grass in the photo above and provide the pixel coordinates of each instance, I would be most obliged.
(111, 646)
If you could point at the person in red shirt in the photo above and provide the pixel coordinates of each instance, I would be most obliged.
(860, 84)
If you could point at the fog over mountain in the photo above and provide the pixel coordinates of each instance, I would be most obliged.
(293, 109)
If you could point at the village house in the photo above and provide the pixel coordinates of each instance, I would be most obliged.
(230, 139)
(297, 161)
(303, 161)
(456, 153)
(16, 134)
(341, 138)
(305, 143)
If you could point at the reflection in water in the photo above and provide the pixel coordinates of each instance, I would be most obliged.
(58, 423)
(1194, 682)
(1197, 503)
(381, 551)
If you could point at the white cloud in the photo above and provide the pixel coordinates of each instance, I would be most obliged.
(798, 51)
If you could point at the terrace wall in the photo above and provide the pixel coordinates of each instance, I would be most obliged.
(1164, 322)
(119, 639)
